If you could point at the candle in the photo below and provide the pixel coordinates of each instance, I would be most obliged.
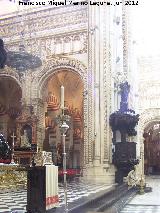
(62, 97)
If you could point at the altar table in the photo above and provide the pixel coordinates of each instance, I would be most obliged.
(42, 188)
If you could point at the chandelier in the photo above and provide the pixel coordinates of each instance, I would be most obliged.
(21, 59)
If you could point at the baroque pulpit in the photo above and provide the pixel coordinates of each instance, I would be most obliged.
(124, 122)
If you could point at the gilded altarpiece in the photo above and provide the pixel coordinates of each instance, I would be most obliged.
(26, 132)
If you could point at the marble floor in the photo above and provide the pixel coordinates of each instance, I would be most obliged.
(148, 202)
(15, 202)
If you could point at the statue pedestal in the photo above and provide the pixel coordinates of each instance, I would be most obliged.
(42, 188)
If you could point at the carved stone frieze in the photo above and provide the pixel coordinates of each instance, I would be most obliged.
(60, 44)
(56, 63)
(149, 94)
(43, 20)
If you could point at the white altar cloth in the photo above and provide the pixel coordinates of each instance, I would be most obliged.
(52, 199)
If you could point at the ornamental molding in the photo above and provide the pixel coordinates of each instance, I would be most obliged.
(144, 85)
(149, 93)
(50, 19)
(147, 117)
(107, 87)
(10, 73)
(125, 40)
(43, 47)
(149, 89)
(33, 14)
(56, 64)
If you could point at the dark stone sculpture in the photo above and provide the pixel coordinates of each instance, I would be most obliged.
(3, 55)
(5, 151)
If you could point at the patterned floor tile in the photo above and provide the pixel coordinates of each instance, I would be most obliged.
(140, 209)
(15, 202)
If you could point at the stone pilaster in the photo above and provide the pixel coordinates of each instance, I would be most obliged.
(106, 84)
(125, 36)
(26, 81)
(38, 108)
(96, 90)
(85, 144)
(91, 58)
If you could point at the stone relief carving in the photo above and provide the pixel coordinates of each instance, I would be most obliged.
(125, 40)
(149, 94)
(61, 44)
(107, 91)
(55, 18)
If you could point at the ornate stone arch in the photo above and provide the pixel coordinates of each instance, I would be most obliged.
(12, 74)
(147, 117)
(56, 64)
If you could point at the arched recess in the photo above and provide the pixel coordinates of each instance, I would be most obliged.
(58, 65)
(8, 72)
(10, 102)
(147, 119)
(152, 148)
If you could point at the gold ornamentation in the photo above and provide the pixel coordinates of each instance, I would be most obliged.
(42, 158)
(12, 177)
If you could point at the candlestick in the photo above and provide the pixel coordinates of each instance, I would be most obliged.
(62, 119)
(62, 97)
